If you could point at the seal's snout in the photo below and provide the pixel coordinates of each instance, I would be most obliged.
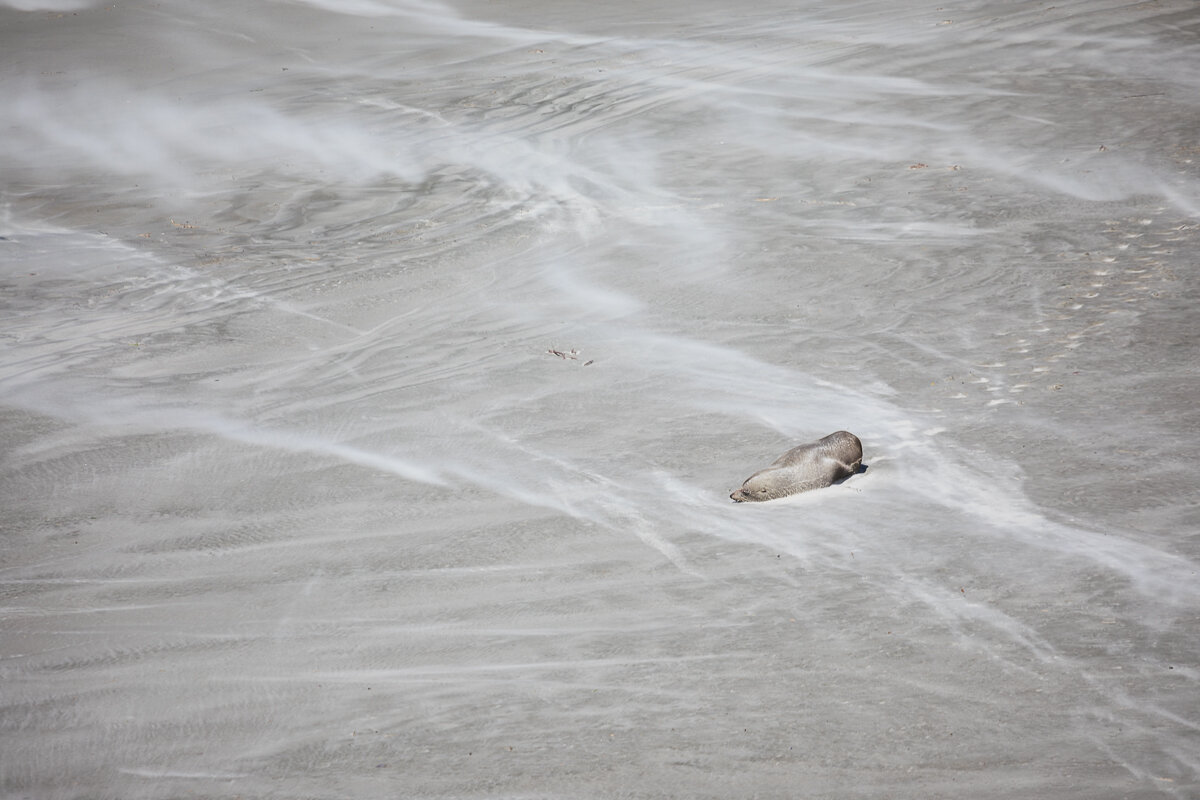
(737, 496)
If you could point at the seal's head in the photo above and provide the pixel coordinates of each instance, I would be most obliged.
(756, 489)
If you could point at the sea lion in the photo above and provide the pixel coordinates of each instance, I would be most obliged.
(809, 466)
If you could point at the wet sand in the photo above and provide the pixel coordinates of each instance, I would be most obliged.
(375, 375)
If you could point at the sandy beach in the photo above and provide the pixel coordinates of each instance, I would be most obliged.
(374, 375)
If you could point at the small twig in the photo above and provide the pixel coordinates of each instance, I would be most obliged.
(572, 354)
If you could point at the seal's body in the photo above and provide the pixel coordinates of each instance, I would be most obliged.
(809, 466)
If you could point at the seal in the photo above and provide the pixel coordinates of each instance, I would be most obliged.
(809, 466)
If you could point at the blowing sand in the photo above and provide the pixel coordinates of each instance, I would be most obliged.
(374, 376)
